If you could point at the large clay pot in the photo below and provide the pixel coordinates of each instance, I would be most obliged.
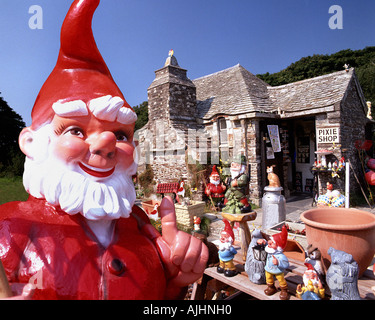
(348, 230)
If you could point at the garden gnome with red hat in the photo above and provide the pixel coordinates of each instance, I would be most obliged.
(313, 287)
(276, 263)
(79, 235)
(215, 189)
(227, 251)
(235, 195)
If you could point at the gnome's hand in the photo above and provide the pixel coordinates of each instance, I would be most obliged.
(184, 256)
(21, 291)
(234, 183)
(261, 241)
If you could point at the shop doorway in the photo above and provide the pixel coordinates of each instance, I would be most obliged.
(302, 143)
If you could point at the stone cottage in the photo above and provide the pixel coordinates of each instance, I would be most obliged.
(234, 112)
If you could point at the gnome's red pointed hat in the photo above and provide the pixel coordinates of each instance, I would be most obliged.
(80, 72)
(309, 266)
(281, 238)
(214, 171)
(228, 229)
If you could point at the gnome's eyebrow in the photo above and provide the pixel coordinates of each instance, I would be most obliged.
(111, 109)
(104, 108)
(74, 108)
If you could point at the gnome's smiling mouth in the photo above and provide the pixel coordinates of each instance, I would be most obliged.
(96, 172)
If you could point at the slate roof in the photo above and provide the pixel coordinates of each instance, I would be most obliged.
(311, 93)
(236, 91)
(231, 91)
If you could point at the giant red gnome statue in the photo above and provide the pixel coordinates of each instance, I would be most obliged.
(79, 235)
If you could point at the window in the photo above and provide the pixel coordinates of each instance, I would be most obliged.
(223, 134)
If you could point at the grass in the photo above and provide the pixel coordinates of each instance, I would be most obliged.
(11, 189)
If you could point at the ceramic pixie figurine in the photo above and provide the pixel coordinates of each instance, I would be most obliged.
(215, 189)
(227, 251)
(79, 235)
(236, 188)
(313, 288)
(276, 263)
(197, 223)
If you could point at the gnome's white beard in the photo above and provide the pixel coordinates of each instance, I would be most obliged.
(234, 173)
(270, 250)
(75, 192)
(214, 182)
(225, 245)
(306, 280)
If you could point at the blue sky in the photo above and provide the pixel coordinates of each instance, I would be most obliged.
(135, 36)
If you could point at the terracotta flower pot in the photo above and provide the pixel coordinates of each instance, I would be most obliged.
(348, 230)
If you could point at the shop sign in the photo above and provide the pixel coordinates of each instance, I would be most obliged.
(328, 135)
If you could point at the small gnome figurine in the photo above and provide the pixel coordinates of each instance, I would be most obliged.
(276, 263)
(342, 163)
(215, 189)
(313, 288)
(197, 223)
(235, 195)
(329, 189)
(227, 251)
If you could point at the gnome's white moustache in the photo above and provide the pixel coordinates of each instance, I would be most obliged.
(224, 246)
(214, 182)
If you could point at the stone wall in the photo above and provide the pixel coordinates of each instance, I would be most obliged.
(185, 214)
(164, 141)
(254, 160)
(350, 116)
(158, 102)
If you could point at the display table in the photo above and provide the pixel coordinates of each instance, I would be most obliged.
(212, 280)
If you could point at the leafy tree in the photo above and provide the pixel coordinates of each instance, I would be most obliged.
(142, 113)
(317, 65)
(146, 181)
(11, 124)
(366, 77)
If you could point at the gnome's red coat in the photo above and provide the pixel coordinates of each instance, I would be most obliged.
(67, 261)
(216, 191)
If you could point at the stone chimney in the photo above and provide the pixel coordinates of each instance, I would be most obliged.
(172, 96)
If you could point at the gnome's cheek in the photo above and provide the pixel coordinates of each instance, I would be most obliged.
(125, 154)
(70, 149)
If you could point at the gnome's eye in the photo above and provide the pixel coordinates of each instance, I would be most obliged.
(120, 136)
(77, 132)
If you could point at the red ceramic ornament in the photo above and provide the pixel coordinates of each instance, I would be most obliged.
(370, 177)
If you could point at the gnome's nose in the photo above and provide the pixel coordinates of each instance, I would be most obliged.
(104, 145)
